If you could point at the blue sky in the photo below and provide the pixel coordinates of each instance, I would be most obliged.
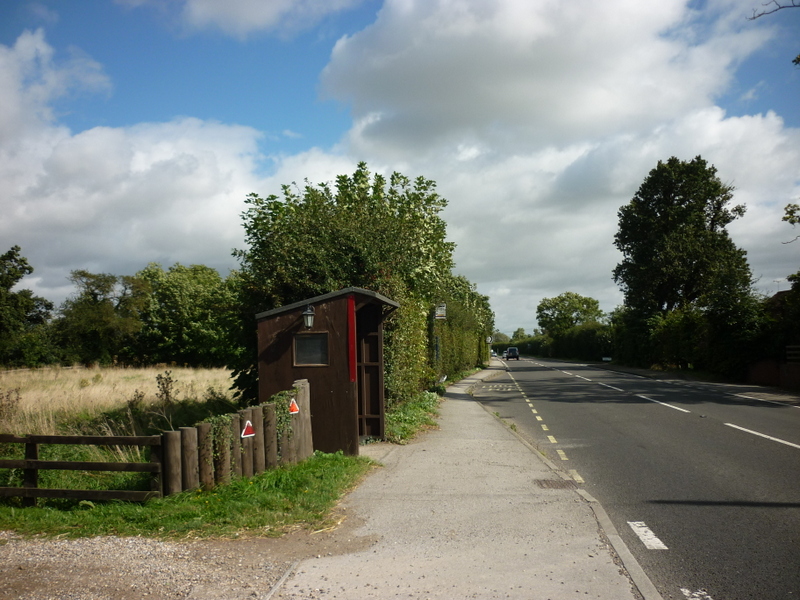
(131, 131)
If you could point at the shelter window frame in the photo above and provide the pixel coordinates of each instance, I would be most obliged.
(311, 349)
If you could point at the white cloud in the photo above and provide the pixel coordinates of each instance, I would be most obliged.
(112, 199)
(518, 73)
(540, 120)
(537, 120)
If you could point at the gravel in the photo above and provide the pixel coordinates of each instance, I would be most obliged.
(112, 568)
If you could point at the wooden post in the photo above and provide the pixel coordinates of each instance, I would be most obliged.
(247, 443)
(30, 477)
(301, 422)
(189, 465)
(288, 443)
(270, 436)
(259, 458)
(171, 448)
(205, 455)
(236, 446)
(222, 457)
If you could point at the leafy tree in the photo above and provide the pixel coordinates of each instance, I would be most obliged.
(673, 239)
(519, 334)
(498, 337)
(99, 323)
(23, 316)
(462, 336)
(558, 315)
(187, 318)
(678, 256)
(368, 232)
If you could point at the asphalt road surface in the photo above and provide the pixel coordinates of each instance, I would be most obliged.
(702, 481)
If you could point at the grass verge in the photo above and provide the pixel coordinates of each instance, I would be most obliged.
(405, 420)
(264, 505)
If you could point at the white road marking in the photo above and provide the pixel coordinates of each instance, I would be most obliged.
(584, 378)
(612, 387)
(645, 534)
(544, 427)
(764, 435)
(664, 404)
(562, 454)
(566, 373)
(698, 595)
(552, 439)
(574, 474)
(767, 401)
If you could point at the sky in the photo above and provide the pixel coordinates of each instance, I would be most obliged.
(131, 131)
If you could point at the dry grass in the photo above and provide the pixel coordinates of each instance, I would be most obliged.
(32, 401)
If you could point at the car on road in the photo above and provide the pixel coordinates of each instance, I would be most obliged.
(512, 352)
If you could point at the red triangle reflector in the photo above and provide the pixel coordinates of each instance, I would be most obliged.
(293, 408)
(248, 430)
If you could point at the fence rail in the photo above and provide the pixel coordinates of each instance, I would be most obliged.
(180, 460)
(31, 465)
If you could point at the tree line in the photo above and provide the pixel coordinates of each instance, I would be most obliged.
(689, 295)
(364, 230)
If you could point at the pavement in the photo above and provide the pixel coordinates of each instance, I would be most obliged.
(470, 510)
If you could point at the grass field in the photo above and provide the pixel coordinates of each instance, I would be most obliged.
(42, 401)
(143, 401)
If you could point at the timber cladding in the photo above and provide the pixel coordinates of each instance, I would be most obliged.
(341, 355)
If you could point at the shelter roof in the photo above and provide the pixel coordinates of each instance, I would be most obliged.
(368, 295)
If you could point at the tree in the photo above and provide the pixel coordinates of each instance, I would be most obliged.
(678, 258)
(187, 317)
(673, 239)
(558, 315)
(498, 337)
(368, 232)
(519, 334)
(23, 316)
(98, 324)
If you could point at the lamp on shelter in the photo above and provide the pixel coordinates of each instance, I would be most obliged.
(308, 316)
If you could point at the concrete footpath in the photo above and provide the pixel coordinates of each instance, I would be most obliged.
(471, 511)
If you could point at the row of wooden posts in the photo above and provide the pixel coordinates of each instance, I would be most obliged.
(189, 458)
(193, 458)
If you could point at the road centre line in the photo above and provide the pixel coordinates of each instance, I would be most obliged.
(562, 455)
(764, 435)
(552, 439)
(664, 403)
(545, 427)
(584, 378)
(649, 539)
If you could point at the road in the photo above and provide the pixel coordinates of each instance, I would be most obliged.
(702, 481)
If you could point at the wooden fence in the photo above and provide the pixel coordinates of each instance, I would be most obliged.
(180, 460)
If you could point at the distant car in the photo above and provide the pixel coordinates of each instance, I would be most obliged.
(512, 353)
(494, 353)
(504, 353)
